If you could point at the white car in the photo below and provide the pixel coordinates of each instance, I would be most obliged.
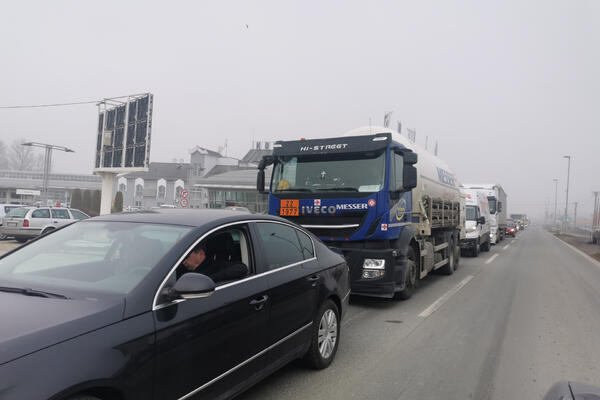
(28, 222)
(5, 209)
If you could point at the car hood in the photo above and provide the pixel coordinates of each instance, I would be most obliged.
(32, 323)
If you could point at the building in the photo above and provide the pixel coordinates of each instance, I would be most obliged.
(25, 187)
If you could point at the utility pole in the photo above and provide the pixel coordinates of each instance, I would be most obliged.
(596, 215)
(575, 218)
(555, 198)
(566, 222)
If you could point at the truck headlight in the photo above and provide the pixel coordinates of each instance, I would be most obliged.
(472, 229)
(373, 263)
(373, 268)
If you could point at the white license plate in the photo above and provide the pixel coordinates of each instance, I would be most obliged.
(11, 224)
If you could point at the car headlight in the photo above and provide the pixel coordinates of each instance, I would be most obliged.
(472, 229)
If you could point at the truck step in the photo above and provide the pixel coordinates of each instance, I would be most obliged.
(440, 264)
(440, 246)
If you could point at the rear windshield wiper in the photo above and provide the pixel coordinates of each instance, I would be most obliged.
(339, 189)
(32, 292)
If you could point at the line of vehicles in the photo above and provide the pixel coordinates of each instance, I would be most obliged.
(134, 302)
(395, 211)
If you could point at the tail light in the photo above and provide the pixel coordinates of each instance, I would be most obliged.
(25, 223)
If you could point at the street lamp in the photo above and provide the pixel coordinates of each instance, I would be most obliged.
(566, 223)
(555, 198)
(47, 164)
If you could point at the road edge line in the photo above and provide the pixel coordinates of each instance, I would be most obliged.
(576, 250)
(492, 258)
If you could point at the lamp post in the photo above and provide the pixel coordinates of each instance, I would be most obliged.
(47, 164)
(555, 198)
(566, 223)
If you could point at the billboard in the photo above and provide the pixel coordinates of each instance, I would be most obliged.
(123, 133)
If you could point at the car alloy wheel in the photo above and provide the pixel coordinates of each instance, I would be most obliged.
(327, 333)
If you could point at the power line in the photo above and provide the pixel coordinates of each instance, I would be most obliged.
(50, 105)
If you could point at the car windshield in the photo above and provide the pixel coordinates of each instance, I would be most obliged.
(471, 213)
(17, 213)
(358, 173)
(96, 256)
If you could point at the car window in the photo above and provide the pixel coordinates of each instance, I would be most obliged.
(78, 214)
(307, 246)
(281, 244)
(60, 214)
(42, 213)
(223, 256)
(17, 213)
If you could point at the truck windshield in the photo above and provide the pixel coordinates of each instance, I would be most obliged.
(492, 203)
(357, 173)
(471, 213)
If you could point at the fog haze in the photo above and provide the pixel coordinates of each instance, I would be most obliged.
(505, 88)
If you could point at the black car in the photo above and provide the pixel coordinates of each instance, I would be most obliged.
(112, 307)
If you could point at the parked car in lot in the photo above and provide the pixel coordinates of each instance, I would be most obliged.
(5, 209)
(28, 222)
(166, 304)
(511, 228)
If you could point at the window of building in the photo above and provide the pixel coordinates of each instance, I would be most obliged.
(122, 188)
(162, 192)
(139, 190)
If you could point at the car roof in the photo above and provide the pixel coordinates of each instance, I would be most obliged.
(187, 217)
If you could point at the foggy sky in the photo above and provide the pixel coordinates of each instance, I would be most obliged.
(506, 87)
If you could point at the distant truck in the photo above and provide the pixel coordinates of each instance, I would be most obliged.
(521, 220)
(477, 223)
(391, 207)
(497, 203)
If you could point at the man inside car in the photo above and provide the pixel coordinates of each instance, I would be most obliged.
(219, 270)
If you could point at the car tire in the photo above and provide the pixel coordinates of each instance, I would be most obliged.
(411, 277)
(450, 267)
(21, 240)
(321, 352)
(457, 255)
(477, 249)
(486, 246)
(46, 231)
(3, 236)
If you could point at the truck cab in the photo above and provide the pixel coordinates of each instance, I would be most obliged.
(477, 222)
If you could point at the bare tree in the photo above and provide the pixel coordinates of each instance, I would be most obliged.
(24, 158)
(3, 156)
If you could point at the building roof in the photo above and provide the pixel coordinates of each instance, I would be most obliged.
(220, 169)
(167, 171)
(240, 179)
(203, 150)
(255, 155)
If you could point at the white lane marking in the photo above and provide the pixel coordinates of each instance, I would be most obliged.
(444, 298)
(505, 247)
(492, 258)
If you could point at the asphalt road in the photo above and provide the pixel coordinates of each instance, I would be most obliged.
(506, 325)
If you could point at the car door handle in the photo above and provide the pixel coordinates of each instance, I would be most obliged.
(259, 303)
(313, 278)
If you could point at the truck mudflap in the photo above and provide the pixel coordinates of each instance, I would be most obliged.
(468, 243)
(390, 279)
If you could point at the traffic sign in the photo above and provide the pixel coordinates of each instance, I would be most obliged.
(184, 193)
(184, 203)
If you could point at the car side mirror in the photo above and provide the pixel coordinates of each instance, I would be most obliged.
(481, 220)
(191, 286)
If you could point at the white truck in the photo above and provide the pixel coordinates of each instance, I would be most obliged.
(477, 223)
(497, 204)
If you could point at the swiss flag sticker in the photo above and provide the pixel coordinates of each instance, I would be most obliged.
(317, 202)
(384, 227)
(371, 202)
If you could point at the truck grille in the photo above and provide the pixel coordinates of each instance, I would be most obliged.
(332, 226)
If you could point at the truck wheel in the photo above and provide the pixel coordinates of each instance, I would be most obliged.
(486, 246)
(410, 277)
(456, 257)
(325, 336)
(449, 268)
(477, 249)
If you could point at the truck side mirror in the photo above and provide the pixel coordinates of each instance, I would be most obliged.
(260, 181)
(481, 220)
(409, 177)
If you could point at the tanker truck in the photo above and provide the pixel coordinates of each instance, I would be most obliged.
(392, 208)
